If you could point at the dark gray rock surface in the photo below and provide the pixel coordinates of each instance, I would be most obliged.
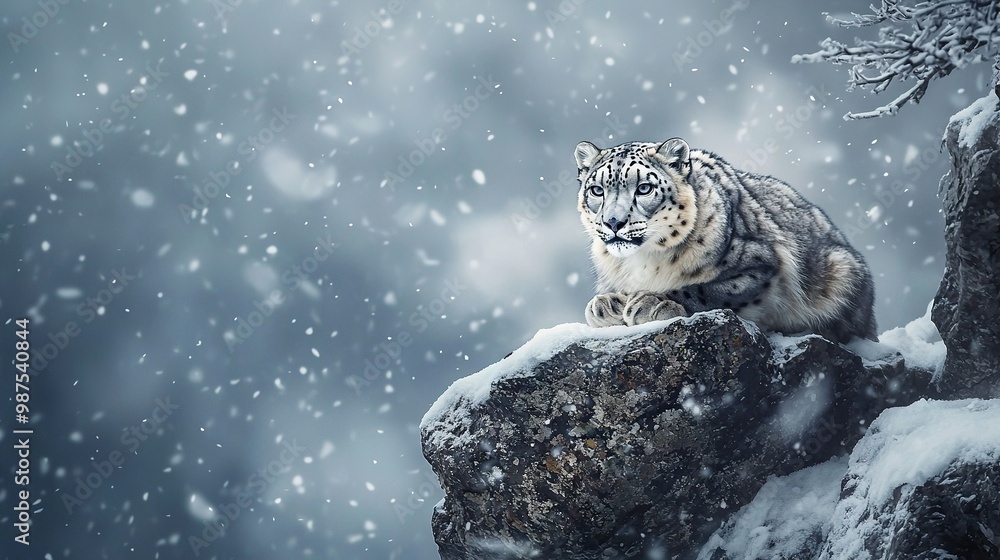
(923, 484)
(638, 442)
(967, 305)
(956, 514)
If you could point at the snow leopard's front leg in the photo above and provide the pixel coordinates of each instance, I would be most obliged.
(605, 310)
(645, 307)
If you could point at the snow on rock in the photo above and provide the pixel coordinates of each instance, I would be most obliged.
(470, 391)
(920, 484)
(907, 448)
(620, 441)
(974, 119)
(909, 445)
(787, 348)
(918, 342)
(788, 519)
(966, 304)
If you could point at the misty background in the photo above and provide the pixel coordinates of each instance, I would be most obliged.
(256, 240)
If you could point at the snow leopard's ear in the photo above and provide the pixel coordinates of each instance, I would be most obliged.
(676, 154)
(586, 153)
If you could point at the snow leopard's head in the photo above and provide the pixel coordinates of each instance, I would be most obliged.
(636, 195)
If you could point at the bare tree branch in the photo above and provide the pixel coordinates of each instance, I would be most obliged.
(939, 37)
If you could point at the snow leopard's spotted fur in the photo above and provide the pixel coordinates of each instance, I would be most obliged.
(676, 231)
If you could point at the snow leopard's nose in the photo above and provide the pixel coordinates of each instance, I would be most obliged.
(614, 225)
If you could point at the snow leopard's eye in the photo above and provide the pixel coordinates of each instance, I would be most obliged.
(644, 189)
(597, 190)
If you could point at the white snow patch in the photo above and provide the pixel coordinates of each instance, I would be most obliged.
(918, 342)
(974, 118)
(788, 515)
(784, 348)
(904, 448)
(469, 392)
(913, 444)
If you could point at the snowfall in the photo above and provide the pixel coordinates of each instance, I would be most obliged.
(199, 203)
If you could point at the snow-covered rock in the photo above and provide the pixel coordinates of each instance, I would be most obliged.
(789, 519)
(631, 441)
(967, 304)
(924, 483)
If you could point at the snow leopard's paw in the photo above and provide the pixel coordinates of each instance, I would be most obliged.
(646, 307)
(605, 310)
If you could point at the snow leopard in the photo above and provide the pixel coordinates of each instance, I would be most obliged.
(676, 231)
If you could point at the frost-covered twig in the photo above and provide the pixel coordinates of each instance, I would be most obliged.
(943, 35)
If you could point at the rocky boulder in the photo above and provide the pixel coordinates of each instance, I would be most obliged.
(628, 442)
(923, 484)
(967, 304)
